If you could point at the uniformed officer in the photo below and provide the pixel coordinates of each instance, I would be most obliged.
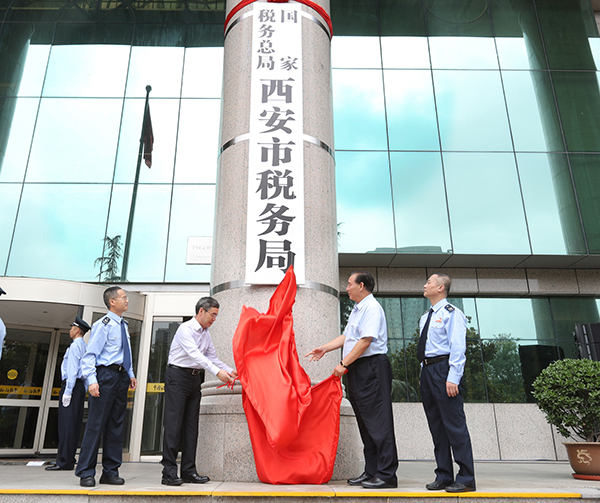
(107, 366)
(369, 382)
(442, 353)
(71, 398)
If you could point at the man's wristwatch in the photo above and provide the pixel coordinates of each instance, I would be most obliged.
(342, 364)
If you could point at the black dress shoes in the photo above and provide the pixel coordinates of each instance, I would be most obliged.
(360, 479)
(53, 467)
(87, 482)
(114, 480)
(457, 487)
(377, 483)
(436, 486)
(171, 480)
(194, 478)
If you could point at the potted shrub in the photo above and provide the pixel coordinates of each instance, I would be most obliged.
(568, 393)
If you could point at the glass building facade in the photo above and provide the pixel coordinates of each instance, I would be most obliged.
(467, 135)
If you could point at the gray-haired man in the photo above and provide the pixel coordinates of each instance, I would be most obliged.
(191, 351)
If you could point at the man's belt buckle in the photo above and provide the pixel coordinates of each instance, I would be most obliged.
(195, 372)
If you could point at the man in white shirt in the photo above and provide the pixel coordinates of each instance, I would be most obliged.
(369, 382)
(191, 351)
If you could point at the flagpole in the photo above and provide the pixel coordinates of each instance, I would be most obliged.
(135, 189)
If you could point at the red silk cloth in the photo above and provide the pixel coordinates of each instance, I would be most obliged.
(294, 428)
(322, 12)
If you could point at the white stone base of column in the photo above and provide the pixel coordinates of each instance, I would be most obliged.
(224, 448)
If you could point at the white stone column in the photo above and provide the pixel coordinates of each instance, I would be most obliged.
(224, 450)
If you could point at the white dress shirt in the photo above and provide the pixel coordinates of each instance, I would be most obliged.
(192, 348)
(367, 319)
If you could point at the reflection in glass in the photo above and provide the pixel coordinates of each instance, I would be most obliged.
(192, 214)
(198, 141)
(473, 380)
(59, 231)
(358, 110)
(164, 115)
(512, 53)
(34, 70)
(95, 71)
(9, 200)
(70, 146)
(152, 433)
(463, 53)
(417, 178)
(149, 239)
(355, 52)
(502, 363)
(526, 121)
(506, 319)
(410, 106)
(364, 204)
(159, 67)
(405, 52)
(587, 180)
(202, 72)
(458, 18)
(17, 427)
(578, 96)
(12, 168)
(472, 112)
(486, 209)
(23, 364)
(541, 192)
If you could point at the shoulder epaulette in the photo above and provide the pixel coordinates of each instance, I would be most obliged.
(449, 307)
(106, 320)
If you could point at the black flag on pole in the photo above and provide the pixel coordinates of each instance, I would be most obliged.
(148, 137)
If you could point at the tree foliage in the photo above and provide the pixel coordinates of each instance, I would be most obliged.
(109, 262)
(568, 392)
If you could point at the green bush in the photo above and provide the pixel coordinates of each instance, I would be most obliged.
(568, 392)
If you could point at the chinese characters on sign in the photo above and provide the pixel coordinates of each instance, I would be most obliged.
(275, 230)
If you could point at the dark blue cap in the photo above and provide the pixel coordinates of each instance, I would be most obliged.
(83, 326)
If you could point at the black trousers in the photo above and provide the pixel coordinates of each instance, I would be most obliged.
(106, 415)
(448, 426)
(370, 387)
(70, 420)
(182, 408)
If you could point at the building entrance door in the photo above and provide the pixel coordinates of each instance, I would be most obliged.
(29, 387)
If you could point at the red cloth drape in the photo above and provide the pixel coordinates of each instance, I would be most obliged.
(294, 428)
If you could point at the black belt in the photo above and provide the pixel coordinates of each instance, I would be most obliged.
(115, 366)
(435, 359)
(194, 372)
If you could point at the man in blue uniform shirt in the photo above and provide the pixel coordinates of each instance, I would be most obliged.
(369, 382)
(71, 398)
(442, 353)
(2, 328)
(107, 367)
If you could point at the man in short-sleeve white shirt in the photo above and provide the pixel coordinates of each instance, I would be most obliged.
(364, 358)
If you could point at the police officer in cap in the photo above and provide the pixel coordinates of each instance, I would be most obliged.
(2, 328)
(70, 400)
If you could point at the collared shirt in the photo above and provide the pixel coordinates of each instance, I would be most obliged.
(447, 335)
(192, 348)
(70, 369)
(367, 319)
(2, 335)
(105, 347)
